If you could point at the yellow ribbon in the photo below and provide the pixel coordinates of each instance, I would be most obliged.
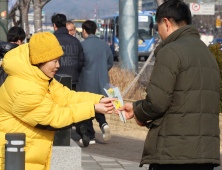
(117, 104)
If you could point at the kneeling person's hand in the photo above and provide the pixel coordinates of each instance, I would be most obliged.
(104, 108)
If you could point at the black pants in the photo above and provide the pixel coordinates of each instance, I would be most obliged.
(100, 118)
(181, 167)
(74, 87)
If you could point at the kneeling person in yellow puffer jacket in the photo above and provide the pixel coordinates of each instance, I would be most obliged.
(34, 103)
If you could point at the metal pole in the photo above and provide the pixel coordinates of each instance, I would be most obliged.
(128, 21)
(14, 151)
(3, 19)
(159, 2)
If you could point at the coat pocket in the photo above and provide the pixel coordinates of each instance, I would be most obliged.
(150, 146)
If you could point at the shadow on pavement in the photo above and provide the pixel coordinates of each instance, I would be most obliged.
(118, 147)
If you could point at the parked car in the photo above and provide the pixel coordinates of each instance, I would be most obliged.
(217, 40)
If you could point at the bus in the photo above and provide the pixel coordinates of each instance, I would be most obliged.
(78, 25)
(109, 31)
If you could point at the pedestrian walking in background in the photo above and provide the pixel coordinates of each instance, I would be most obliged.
(34, 103)
(72, 61)
(183, 95)
(70, 25)
(15, 37)
(94, 75)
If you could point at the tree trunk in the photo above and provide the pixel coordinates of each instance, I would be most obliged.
(37, 16)
(159, 2)
(13, 14)
(38, 5)
(24, 7)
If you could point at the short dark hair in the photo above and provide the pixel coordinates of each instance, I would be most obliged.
(15, 34)
(174, 10)
(89, 26)
(59, 20)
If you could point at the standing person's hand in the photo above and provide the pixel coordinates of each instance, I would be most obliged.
(104, 108)
(107, 100)
(128, 108)
(0, 63)
(129, 113)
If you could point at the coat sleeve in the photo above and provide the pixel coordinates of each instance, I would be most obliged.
(81, 58)
(110, 59)
(64, 96)
(160, 87)
(41, 111)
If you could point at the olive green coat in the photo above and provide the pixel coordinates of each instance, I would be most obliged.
(182, 103)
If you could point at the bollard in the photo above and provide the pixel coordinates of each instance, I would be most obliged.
(14, 151)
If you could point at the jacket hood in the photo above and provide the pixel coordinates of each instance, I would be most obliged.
(5, 47)
(16, 63)
(187, 30)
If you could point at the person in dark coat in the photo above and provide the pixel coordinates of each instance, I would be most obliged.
(15, 37)
(94, 75)
(72, 61)
(183, 95)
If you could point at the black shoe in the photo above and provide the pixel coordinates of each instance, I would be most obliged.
(84, 135)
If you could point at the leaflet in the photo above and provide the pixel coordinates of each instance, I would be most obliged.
(114, 92)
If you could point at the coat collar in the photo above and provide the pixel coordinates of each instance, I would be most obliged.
(6, 46)
(91, 36)
(62, 30)
(187, 30)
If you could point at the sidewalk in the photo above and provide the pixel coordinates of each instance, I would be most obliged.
(99, 162)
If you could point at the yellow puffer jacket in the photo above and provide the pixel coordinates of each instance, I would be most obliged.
(28, 101)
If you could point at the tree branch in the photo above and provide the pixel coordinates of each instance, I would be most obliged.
(44, 2)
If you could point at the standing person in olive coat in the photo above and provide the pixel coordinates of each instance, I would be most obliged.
(182, 102)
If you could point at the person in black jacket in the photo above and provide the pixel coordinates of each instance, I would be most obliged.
(72, 61)
(15, 37)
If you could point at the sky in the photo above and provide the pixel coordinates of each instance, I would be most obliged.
(81, 9)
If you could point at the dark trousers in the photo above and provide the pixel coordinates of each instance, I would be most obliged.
(100, 118)
(181, 167)
(74, 87)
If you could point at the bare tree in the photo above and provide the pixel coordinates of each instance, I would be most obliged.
(13, 15)
(159, 2)
(24, 7)
(38, 5)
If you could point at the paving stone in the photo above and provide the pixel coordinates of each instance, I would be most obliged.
(88, 160)
(132, 165)
(113, 163)
(92, 169)
(113, 169)
(133, 168)
(125, 163)
(111, 166)
(110, 162)
(97, 158)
